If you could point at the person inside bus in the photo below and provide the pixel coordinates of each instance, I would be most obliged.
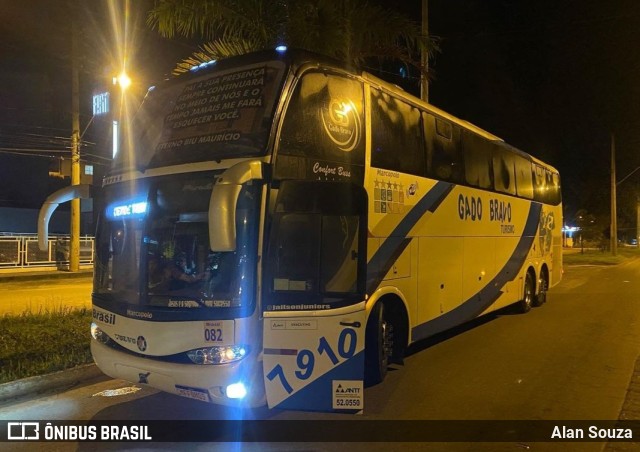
(171, 276)
(180, 273)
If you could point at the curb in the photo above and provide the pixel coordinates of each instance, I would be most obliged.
(37, 276)
(57, 381)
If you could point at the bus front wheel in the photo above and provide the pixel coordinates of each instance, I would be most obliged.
(379, 345)
(525, 304)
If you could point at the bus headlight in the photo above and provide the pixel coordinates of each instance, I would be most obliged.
(219, 354)
(99, 335)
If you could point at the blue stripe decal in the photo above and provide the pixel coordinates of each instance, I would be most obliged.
(397, 241)
(318, 395)
(478, 303)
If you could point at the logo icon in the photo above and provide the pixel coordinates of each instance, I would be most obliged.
(342, 123)
(144, 378)
(545, 230)
(142, 343)
(23, 431)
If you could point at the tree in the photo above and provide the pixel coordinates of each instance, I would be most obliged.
(348, 30)
(590, 229)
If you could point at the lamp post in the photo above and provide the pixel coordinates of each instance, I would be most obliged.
(123, 81)
(613, 206)
(614, 212)
(74, 228)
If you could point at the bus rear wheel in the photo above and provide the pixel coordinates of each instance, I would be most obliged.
(379, 345)
(525, 304)
(543, 285)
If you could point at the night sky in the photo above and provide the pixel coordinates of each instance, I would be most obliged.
(553, 78)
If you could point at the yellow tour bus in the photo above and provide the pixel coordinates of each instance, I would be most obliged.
(279, 227)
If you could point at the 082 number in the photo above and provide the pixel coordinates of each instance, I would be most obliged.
(213, 334)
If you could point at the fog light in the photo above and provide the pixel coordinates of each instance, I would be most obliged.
(236, 391)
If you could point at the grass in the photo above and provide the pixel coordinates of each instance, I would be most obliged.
(43, 342)
(597, 257)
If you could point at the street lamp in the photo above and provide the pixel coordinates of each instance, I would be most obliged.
(637, 204)
(123, 81)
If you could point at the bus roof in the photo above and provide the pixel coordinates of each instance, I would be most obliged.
(295, 59)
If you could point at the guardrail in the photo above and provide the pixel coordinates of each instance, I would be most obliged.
(22, 251)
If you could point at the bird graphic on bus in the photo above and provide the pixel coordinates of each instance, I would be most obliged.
(545, 231)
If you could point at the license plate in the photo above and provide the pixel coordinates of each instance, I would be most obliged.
(193, 393)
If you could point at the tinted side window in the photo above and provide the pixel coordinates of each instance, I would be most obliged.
(524, 177)
(558, 184)
(396, 135)
(546, 185)
(296, 251)
(477, 160)
(553, 182)
(324, 120)
(539, 183)
(444, 160)
(504, 171)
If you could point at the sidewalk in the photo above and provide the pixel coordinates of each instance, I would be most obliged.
(15, 391)
(7, 275)
(28, 388)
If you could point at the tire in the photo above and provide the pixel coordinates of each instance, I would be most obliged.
(543, 286)
(525, 304)
(379, 345)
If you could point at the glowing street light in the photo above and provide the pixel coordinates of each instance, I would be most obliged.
(123, 80)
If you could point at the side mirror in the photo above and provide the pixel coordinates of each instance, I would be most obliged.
(222, 205)
(82, 191)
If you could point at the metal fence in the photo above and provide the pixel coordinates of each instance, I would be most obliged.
(22, 251)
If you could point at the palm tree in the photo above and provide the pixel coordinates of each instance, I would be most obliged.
(349, 30)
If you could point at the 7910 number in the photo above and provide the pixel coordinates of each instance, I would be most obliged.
(306, 359)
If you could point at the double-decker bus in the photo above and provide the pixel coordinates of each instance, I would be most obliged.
(281, 227)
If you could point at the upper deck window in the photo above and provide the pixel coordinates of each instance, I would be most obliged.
(323, 128)
(396, 135)
(477, 164)
(221, 114)
(444, 151)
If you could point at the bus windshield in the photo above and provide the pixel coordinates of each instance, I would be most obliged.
(223, 113)
(153, 247)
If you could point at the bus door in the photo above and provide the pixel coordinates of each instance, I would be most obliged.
(314, 297)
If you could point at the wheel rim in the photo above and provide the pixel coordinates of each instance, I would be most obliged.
(528, 292)
(543, 285)
(542, 292)
(386, 330)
